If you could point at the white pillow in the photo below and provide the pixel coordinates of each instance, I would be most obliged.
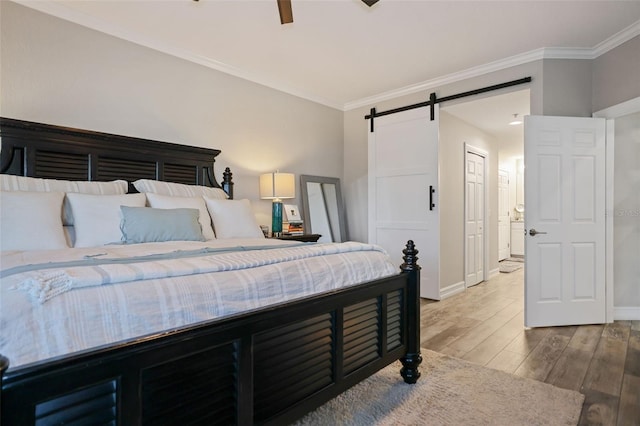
(97, 217)
(31, 221)
(233, 219)
(179, 189)
(23, 183)
(167, 202)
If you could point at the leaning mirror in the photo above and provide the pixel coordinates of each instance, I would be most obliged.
(322, 208)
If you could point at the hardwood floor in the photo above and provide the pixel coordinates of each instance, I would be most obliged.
(485, 325)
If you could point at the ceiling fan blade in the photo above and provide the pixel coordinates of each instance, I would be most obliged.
(286, 14)
(370, 2)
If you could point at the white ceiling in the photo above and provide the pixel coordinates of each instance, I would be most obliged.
(344, 54)
(493, 115)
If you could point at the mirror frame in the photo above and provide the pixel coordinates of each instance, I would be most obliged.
(305, 202)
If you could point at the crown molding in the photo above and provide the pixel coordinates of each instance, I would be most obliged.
(625, 108)
(568, 53)
(449, 79)
(544, 53)
(61, 11)
(616, 40)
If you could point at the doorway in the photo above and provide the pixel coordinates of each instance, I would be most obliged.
(491, 117)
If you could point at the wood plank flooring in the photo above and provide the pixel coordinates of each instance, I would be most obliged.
(485, 325)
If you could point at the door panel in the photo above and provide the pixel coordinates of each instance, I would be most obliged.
(504, 228)
(565, 193)
(474, 218)
(403, 165)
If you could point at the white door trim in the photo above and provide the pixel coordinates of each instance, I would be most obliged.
(625, 108)
(485, 258)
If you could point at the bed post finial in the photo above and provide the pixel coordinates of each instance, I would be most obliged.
(412, 359)
(227, 185)
(410, 257)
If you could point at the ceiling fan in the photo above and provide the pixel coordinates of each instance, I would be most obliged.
(286, 14)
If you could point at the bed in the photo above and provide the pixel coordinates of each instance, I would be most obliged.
(270, 363)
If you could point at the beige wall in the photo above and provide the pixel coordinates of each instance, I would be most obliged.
(56, 72)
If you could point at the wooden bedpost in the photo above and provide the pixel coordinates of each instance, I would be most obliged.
(4, 364)
(412, 359)
(227, 185)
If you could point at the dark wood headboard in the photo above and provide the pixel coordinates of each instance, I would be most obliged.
(56, 152)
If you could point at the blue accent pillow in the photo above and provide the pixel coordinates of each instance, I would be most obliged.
(148, 225)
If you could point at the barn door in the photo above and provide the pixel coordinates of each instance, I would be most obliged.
(403, 190)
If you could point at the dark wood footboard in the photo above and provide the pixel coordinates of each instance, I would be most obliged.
(265, 367)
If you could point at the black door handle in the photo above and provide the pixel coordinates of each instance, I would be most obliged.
(431, 192)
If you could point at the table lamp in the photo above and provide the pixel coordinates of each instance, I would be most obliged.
(277, 186)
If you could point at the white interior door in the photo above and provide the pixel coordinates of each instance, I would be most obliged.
(504, 217)
(474, 218)
(564, 221)
(403, 168)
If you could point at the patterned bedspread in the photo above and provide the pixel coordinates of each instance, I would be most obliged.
(62, 301)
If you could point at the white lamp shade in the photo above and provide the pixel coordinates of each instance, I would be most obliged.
(275, 186)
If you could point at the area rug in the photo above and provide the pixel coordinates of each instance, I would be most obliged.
(508, 266)
(450, 392)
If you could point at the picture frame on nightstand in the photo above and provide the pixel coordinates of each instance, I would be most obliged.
(293, 213)
(294, 224)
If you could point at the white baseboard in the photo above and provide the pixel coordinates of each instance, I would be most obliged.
(494, 272)
(452, 289)
(622, 313)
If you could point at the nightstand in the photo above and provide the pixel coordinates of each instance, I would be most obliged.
(305, 238)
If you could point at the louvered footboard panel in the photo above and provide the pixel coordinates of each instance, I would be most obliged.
(93, 405)
(361, 334)
(395, 337)
(291, 363)
(202, 391)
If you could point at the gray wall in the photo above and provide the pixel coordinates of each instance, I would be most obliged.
(626, 212)
(57, 72)
(616, 75)
(567, 87)
(615, 79)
